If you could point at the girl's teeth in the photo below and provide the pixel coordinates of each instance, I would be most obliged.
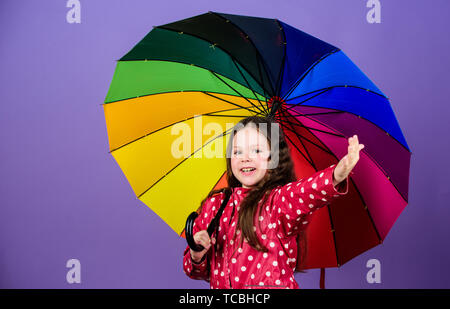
(247, 169)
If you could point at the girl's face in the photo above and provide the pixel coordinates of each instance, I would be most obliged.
(249, 158)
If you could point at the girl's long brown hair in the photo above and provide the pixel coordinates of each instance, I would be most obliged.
(282, 174)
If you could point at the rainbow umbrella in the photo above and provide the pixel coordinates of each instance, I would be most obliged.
(212, 70)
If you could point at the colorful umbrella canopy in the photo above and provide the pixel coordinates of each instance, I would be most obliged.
(212, 70)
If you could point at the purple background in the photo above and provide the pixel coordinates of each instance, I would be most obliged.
(62, 196)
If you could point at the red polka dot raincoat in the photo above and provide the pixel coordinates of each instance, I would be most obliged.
(286, 211)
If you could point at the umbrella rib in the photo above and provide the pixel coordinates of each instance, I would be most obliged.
(258, 55)
(307, 139)
(283, 62)
(220, 135)
(307, 159)
(215, 46)
(291, 106)
(308, 70)
(356, 187)
(299, 137)
(249, 85)
(171, 124)
(342, 135)
(250, 110)
(331, 87)
(311, 128)
(334, 234)
(235, 90)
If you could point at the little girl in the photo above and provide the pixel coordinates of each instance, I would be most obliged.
(256, 241)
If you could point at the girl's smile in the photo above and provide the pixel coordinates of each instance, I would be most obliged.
(250, 155)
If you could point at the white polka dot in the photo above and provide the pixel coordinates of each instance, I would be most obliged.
(324, 199)
(225, 219)
(321, 174)
(214, 208)
(278, 282)
(310, 178)
(326, 181)
(250, 257)
(268, 274)
(310, 205)
(236, 279)
(288, 188)
(290, 205)
(216, 272)
(298, 212)
(286, 246)
(302, 190)
(222, 274)
(261, 283)
(289, 225)
(239, 192)
(258, 266)
(287, 216)
(282, 199)
(233, 260)
(281, 253)
(305, 222)
(261, 218)
(265, 255)
(279, 210)
(267, 208)
(252, 276)
(240, 250)
(324, 192)
(231, 242)
(213, 199)
(292, 194)
(275, 263)
(263, 236)
(283, 271)
(243, 268)
(300, 200)
(272, 244)
(311, 196)
(314, 185)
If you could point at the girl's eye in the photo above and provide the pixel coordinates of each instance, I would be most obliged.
(257, 150)
(236, 151)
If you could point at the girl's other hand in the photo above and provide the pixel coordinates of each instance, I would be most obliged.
(201, 238)
(348, 162)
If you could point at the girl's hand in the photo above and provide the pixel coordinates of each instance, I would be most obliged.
(348, 162)
(201, 238)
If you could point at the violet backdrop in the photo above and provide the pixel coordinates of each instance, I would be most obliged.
(62, 196)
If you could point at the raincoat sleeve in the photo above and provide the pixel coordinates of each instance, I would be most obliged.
(200, 271)
(296, 201)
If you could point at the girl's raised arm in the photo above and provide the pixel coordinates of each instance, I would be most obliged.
(296, 201)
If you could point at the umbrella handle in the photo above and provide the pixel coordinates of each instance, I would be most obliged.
(188, 231)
